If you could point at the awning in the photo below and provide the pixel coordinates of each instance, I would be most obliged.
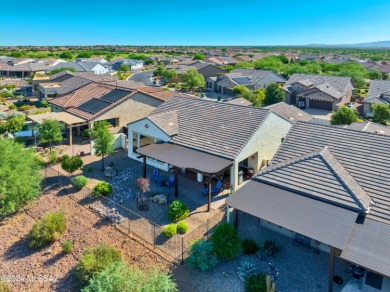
(184, 157)
(64, 117)
(315, 219)
(369, 246)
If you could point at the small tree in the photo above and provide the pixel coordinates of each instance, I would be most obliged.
(13, 124)
(169, 74)
(199, 56)
(343, 116)
(124, 68)
(71, 164)
(192, 78)
(274, 94)
(103, 141)
(50, 131)
(381, 112)
(226, 241)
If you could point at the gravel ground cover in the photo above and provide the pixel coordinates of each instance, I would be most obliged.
(20, 264)
(300, 269)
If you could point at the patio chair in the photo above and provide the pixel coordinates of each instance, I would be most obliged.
(171, 181)
(215, 190)
(155, 175)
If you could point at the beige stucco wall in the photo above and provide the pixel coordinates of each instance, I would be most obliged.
(265, 142)
(147, 128)
(136, 107)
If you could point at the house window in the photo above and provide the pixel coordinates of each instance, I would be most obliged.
(135, 141)
(145, 140)
(374, 280)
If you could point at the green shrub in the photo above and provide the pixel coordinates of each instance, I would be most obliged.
(249, 246)
(12, 106)
(256, 283)
(45, 103)
(94, 260)
(102, 189)
(227, 244)
(5, 286)
(270, 247)
(202, 255)
(52, 156)
(47, 230)
(246, 270)
(79, 182)
(182, 227)
(24, 108)
(67, 246)
(71, 164)
(178, 211)
(122, 277)
(90, 169)
(169, 230)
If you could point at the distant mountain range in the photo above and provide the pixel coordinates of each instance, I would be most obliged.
(376, 45)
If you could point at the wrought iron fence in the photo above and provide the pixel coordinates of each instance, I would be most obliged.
(150, 233)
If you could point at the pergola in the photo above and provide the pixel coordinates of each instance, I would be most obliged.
(68, 119)
(184, 157)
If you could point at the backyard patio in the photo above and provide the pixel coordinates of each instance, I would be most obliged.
(300, 267)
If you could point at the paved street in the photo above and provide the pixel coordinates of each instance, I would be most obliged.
(143, 77)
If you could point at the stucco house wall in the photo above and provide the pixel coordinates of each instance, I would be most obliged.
(136, 107)
(265, 142)
(210, 71)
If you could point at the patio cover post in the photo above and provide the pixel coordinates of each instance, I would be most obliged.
(235, 218)
(144, 167)
(209, 194)
(331, 268)
(176, 182)
(70, 135)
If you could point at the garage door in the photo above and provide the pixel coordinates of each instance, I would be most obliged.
(321, 104)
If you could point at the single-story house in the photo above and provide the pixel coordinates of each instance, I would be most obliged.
(239, 137)
(95, 67)
(290, 112)
(252, 79)
(206, 69)
(318, 91)
(133, 64)
(24, 70)
(369, 127)
(328, 187)
(378, 93)
(66, 81)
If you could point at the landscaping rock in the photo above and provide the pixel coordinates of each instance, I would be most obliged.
(160, 199)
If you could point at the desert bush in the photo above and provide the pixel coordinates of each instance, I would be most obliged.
(122, 277)
(227, 244)
(182, 227)
(67, 246)
(47, 230)
(5, 286)
(256, 283)
(12, 106)
(79, 182)
(202, 255)
(102, 189)
(246, 270)
(45, 103)
(24, 108)
(143, 184)
(52, 156)
(71, 164)
(95, 260)
(249, 246)
(90, 169)
(270, 247)
(178, 211)
(169, 230)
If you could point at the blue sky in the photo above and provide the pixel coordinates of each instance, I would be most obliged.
(202, 22)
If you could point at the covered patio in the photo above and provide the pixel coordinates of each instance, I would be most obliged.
(70, 121)
(183, 158)
(312, 222)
